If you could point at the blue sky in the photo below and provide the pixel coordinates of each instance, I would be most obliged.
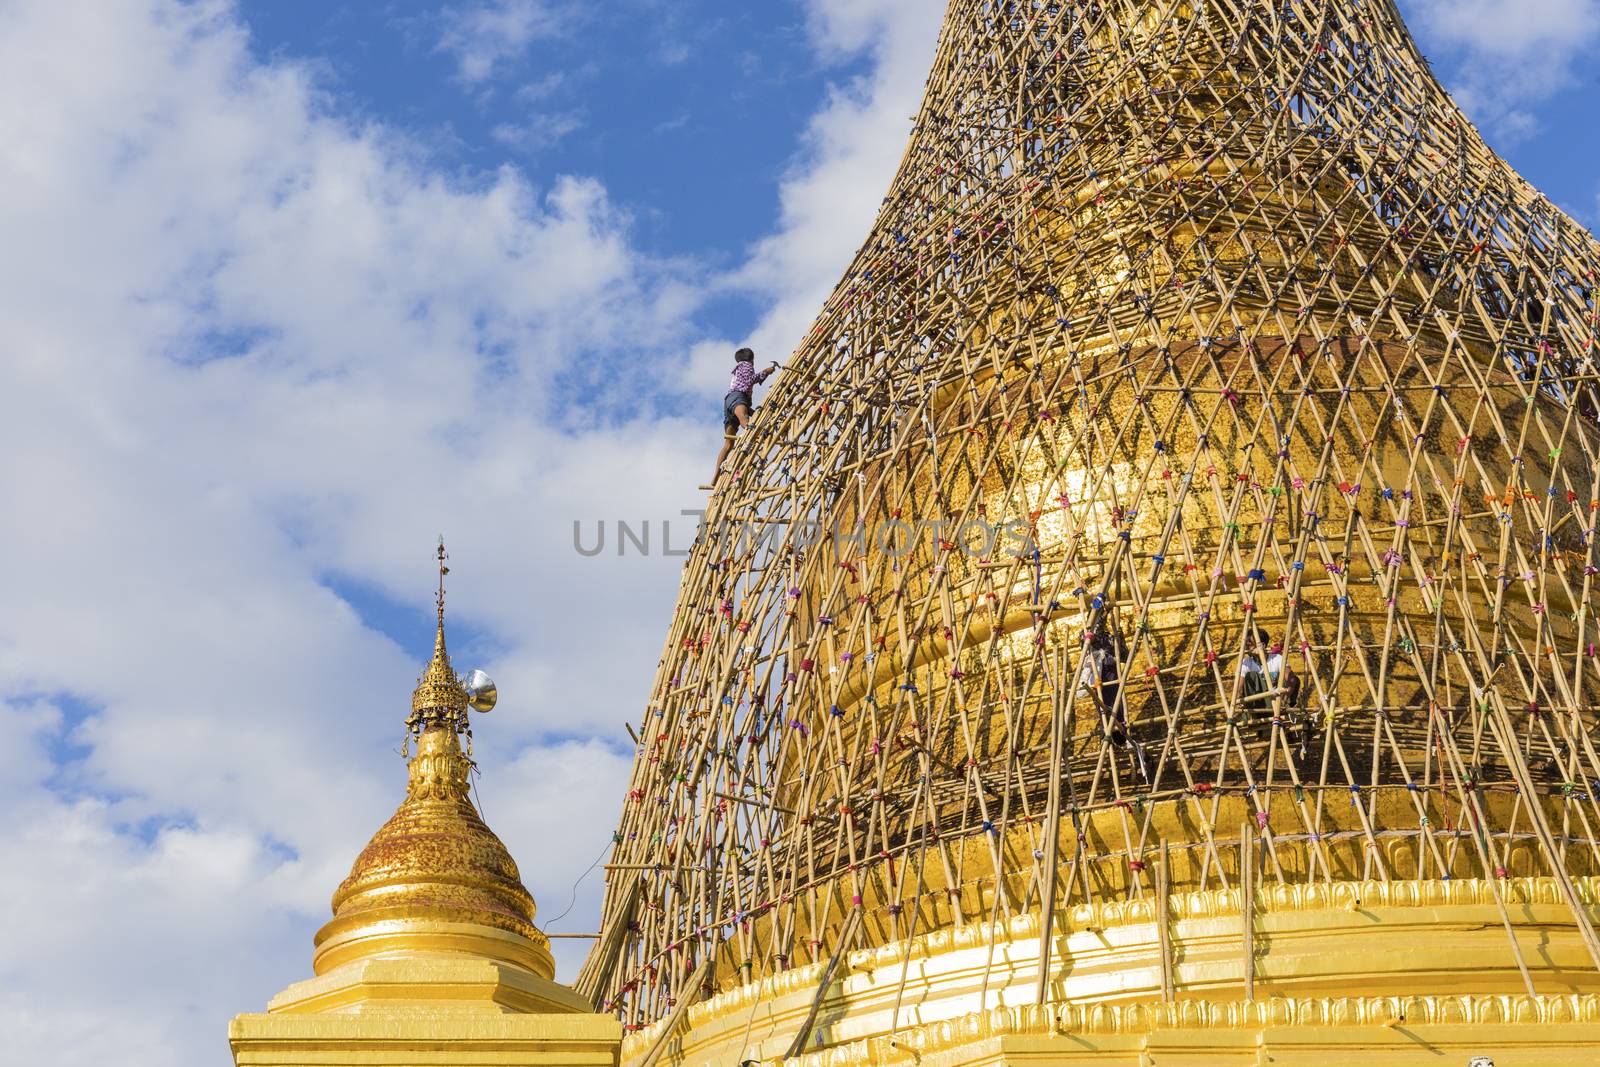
(645, 94)
(289, 289)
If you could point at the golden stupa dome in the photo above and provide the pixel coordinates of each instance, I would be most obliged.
(435, 878)
(1268, 391)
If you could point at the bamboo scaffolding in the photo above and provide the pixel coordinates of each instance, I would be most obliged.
(1221, 318)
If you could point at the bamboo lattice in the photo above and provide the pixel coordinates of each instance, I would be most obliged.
(1230, 321)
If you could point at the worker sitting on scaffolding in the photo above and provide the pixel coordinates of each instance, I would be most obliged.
(1257, 668)
(736, 404)
(1265, 674)
(1102, 676)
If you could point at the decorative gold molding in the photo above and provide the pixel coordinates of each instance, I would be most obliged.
(1212, 904)
(737, 999)
(914, 1043)
(1333, 898)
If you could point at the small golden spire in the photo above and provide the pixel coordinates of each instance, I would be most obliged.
(439, 699)
(435, 880)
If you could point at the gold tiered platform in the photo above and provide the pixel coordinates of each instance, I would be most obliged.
(1194, 338)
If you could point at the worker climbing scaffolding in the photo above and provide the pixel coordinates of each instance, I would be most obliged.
(738, 403)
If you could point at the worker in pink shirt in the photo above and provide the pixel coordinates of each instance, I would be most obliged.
(737, 403)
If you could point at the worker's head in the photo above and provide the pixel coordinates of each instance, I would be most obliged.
(744, 355)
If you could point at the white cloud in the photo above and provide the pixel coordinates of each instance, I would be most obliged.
(481, 36)
(540, 131)
(671, 53)
(1516, 31)
(541, 88)
(546, 805)
(1502, 59)
(253, 350)
(249, 345)
(853, 145)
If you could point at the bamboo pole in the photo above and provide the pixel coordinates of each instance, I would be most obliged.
(846, 937)
(686, 997)
(1247, 907)
(1164, 925)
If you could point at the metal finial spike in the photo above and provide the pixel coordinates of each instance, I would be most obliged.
(443, 570)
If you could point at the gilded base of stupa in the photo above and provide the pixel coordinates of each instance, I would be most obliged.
(438, 1010)
(1388, 973)
(1353, 1032)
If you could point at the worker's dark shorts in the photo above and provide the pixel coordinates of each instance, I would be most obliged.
(730, 421)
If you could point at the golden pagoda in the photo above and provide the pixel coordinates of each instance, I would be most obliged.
(1149, 623)
(432, 956)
